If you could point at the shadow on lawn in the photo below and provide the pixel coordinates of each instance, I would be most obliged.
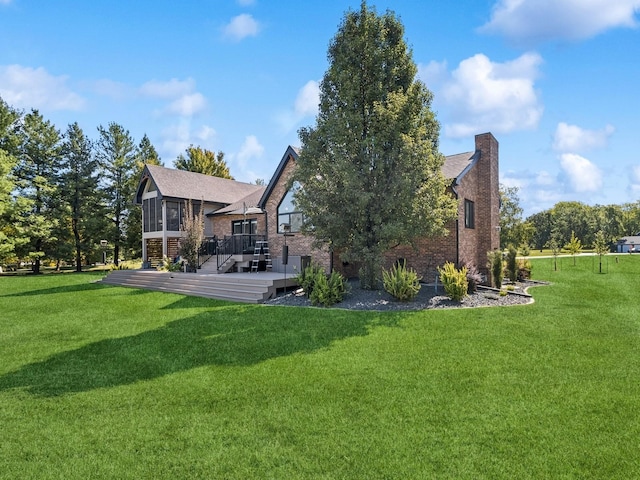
(231, 335)
(80, 287)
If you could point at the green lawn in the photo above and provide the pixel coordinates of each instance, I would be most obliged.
(107, 382)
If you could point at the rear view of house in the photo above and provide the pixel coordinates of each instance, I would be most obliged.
(239, 214)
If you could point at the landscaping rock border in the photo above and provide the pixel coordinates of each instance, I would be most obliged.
(428, 297)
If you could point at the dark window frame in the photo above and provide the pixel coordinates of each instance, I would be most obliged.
(293, 218)
(469, 214)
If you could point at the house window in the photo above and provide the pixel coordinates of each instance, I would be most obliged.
(288, 213)
(247, 227)
(152, 214)
(175, 216)
(469, 214)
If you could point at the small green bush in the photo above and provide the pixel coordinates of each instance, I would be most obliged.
(308, 277)
(401, 282)
(169, 265)
(328, 290)
(524, 269)
(495, 267)
(454, 281)
(512, 269)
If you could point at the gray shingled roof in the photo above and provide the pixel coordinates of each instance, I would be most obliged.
(196, 186)
(237, 208)
(455, 165)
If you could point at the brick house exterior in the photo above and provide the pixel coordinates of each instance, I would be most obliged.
(474, 183)
(162, 192)
(236, 209)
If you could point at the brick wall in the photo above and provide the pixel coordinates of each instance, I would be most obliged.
(298, 243)
(461, 245)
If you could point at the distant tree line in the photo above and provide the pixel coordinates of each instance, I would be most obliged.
(564, 223)
(62, 193)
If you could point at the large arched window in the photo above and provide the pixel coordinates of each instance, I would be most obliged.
(288, 213)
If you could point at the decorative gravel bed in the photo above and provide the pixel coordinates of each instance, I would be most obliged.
(428, 297)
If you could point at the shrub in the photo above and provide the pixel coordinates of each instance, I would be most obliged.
(512, 272)
(401, 282)
(328, 290)
(308, 276)
(474, 278)
(169, 265)
(524, 270)
(454, 281)
(525, 250)
(495, 267)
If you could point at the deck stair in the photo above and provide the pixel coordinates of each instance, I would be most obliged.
(240, 288)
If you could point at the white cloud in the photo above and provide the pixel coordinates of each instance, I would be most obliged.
(246, 3)
(242, 26)
(528, 21)
(250, 149)
(175, 139)
(169, 89)
(5, 2)
(571, 138)
(482, 95)
(583, 175)
(308, 99)
(433, 74)
(187, 105)
(186, 102)
(26, 87)
(205, 133)
(305, 105)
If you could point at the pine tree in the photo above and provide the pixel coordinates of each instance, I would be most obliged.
(116, 155)
(370, 169)
(8, 148)
(36, 174)
(80, 193)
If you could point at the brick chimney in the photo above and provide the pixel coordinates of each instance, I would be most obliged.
(488, 205)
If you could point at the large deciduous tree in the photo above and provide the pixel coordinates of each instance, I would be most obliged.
(80, 192)
(370, 169)
(116, 155)
(36, 174)
(513, 230)
(201, 160)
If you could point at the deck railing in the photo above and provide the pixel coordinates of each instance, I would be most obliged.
(241, 244)
(208, 248)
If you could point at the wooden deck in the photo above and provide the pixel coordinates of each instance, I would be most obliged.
(238, 287)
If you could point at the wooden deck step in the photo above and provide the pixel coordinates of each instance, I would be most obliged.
(225, 287)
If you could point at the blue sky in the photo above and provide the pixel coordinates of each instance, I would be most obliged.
(556, 81)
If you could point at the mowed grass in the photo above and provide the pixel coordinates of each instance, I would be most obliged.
(108, 382)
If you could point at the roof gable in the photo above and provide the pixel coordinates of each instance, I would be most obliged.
(290, 153)
(195, 186)
(456, 166)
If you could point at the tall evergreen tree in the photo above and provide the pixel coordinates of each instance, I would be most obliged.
(204, 161)
(116, 155)
(370, 169)
(146, 155)
(8, 148)
(80, 192)
(36, 171)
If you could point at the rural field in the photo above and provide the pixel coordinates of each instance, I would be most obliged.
(107, 382)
